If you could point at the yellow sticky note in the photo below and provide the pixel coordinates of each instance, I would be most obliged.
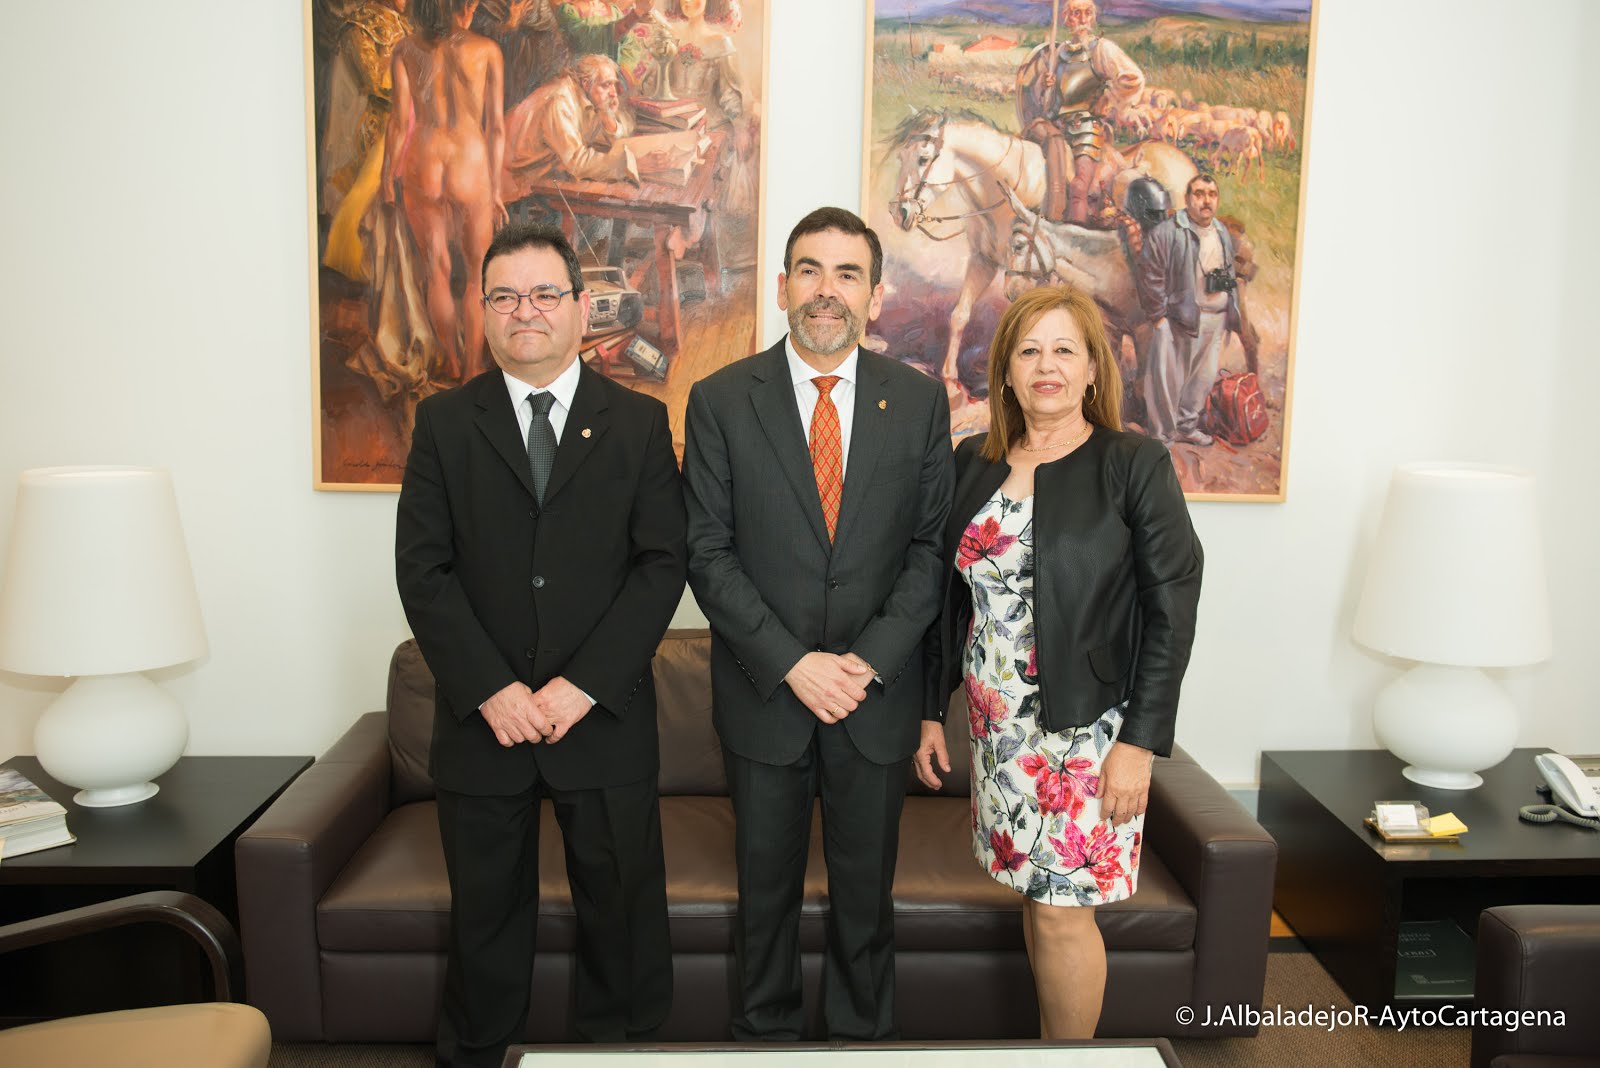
(1446, 823)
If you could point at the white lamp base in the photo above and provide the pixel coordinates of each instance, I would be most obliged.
(1447, 723)
(121, 795)
(1443, 780)
(110, 735)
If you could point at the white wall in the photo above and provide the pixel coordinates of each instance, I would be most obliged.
(153, 288)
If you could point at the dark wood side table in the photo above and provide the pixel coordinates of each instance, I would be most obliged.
(1345, 891)
(180, 839)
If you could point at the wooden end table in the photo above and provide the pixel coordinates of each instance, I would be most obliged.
(180, 839)
(1345, 891)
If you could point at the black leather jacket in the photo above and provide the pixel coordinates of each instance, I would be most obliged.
(1116, 585)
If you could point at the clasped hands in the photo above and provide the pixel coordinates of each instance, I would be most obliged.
(831, 686)
(518, 714)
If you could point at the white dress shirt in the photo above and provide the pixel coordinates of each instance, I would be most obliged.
(843, 394)
(565, 385)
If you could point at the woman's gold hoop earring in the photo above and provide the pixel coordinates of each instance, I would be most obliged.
(1088, 393)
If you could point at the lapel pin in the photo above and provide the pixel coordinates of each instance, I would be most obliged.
(586, 431)
(883, 406)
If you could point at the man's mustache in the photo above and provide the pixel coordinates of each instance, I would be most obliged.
(828, 306)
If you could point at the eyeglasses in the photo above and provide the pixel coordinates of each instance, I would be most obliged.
(543, 298)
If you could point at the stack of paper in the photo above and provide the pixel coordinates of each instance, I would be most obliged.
(670, 158)
(1408, 821)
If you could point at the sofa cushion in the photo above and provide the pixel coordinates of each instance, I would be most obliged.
(691, 755)
(410, 725)
(393, 895)
(944, 900)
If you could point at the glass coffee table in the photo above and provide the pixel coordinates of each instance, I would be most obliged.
(1098, 1053)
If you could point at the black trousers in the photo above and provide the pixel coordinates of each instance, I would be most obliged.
(861, 803)
(612, 839)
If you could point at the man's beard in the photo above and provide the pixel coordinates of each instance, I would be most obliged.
(848, 330)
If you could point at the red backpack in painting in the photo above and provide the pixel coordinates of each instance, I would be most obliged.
(1235, 411)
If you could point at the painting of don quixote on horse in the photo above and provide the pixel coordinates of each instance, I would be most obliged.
(1149, 152)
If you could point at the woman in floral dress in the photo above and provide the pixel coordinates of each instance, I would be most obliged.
(1069, 625)
(706, 65)
(706, 69)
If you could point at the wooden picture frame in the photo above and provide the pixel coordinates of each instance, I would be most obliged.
(668, 230)
(961, 198)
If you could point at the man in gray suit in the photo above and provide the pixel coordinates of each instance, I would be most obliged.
(818, 479)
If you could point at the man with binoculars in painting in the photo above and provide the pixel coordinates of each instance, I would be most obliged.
(1189, 291)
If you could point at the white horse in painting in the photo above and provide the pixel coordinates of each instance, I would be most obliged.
(957, 175)
(1093, 261)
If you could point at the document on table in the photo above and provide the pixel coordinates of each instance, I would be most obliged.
(1399, 817)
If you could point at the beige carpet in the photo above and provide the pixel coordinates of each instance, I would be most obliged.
(303, 1055)
(1294, 981)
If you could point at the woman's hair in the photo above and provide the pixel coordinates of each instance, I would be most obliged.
(716, 10)
(433, 17)
(1005, 414)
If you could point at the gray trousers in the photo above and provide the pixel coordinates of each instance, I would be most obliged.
(1179, 372)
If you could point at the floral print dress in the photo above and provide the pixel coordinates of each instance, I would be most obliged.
(1036, 824)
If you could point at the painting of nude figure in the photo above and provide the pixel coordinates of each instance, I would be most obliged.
(1149, 152)
(635, 126)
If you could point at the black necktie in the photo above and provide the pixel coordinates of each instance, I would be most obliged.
(541, 442)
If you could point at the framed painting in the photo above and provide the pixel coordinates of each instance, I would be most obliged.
(633, 125)
(1149, 152)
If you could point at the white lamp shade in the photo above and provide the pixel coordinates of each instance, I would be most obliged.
(97, 578)
(1457, 573)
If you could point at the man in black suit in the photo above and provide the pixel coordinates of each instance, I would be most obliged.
(540, 553)
(819, 476)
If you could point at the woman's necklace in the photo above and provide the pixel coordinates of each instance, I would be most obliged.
(1087, 426)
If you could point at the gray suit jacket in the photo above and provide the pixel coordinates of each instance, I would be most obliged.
(765, 575)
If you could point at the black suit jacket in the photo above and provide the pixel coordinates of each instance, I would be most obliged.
(498, 590)
(1116, 583)
(762, 568)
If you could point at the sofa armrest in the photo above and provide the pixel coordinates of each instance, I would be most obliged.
(1538, 958)
(1226, 862)
(286, 861)
(198, 919)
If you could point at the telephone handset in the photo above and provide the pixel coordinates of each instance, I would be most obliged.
(1570, 788)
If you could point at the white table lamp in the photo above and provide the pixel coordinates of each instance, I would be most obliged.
(1457, 583)
(97, 586)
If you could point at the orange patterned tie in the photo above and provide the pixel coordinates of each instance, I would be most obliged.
(827, 454)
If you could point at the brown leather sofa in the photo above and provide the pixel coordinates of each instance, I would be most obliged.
(1536, 959)
(344, 905)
